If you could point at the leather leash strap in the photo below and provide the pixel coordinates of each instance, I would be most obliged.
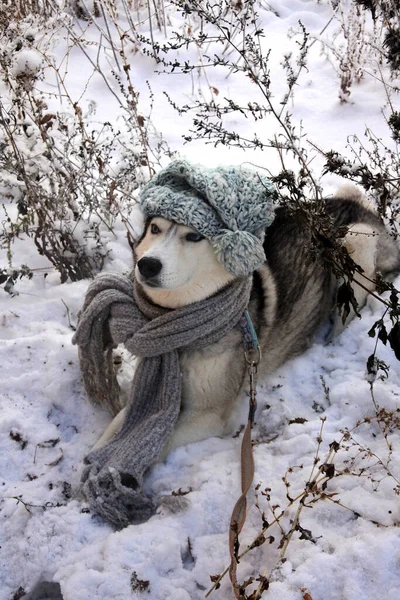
(238, 516)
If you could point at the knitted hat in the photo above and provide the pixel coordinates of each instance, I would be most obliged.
(231, 206)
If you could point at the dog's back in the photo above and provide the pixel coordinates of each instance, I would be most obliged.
(304, 284)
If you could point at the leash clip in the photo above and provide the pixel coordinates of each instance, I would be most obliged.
(252, 354)
(253, 392)
(250, 358)
(252, 350)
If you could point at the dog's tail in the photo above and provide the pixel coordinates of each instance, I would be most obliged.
(367, 242)
(350, 207)
(349, 191)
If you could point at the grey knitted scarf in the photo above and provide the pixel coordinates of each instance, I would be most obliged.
(116, 311)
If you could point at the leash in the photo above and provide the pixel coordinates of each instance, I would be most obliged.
(252, 353)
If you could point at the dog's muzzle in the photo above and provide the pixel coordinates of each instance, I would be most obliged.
(149, 268)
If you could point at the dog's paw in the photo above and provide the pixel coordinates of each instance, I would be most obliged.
(172, 504)
(271, 422)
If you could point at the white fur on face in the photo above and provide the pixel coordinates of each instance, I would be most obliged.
(190, 270)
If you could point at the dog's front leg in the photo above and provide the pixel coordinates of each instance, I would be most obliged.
(194, 427)
(111, 430)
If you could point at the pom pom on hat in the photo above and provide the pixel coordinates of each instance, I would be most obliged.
(240, 252)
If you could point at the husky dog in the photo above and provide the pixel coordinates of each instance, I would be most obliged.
(293, 294)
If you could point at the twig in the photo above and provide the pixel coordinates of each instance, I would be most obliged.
(69, 316)
(109, 35)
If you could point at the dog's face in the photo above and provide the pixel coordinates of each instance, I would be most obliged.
(176, 265)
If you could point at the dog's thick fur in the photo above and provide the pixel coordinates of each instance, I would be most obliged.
(293, 295)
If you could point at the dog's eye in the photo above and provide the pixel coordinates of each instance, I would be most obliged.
(194, 237)
(154, 228)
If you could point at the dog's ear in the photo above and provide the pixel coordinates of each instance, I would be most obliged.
(137, 220)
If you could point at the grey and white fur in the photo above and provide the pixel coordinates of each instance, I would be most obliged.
(293, 295)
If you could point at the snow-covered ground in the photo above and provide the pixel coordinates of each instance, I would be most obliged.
(47, 425)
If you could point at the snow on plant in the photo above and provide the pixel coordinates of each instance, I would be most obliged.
(366, 38)
(386, 15)
(352, 45)
(65, 175)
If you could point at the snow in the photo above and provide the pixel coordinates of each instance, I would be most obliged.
(47, 425)
(27, 61)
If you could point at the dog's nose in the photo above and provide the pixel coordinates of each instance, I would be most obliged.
(149, 267)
